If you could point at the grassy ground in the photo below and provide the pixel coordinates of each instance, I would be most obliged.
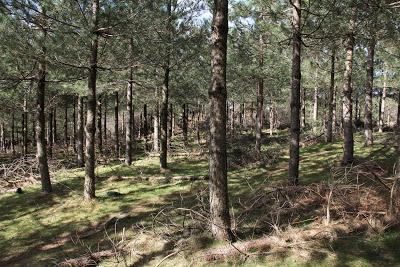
(40, 230)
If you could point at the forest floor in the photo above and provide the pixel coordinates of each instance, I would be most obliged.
(144, 218)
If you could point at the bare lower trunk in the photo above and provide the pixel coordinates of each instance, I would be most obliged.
(164, 121)
(383, 103)
(25, 128)
(348, 145)
(185, 124)
(303, 107)
(79, 133)
(259, 114)
(218, 183)
(295, 98)
(331, 105)
(13, 133)
(105, 117)
(156, 129)
(41, 153)
(66, 142)
(50, 134)
(74, 125)
(90, 178)
(116, 124)
(55, 139)
(99, 130)
(368, 94)
(129, 119)
(315, 103)
(171, 122)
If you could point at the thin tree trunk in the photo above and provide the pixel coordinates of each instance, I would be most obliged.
(25, 128)
(303, 107)
(99, 130)
(315, 103)
(260, 98)
(79, 133)
(156, 124)
(41, 153)
(145, 121)
(348, 155)
(116, 124)
(89, 188)
(2, 138)
(13, 133)
(105, 117)
(331, 97)
(165, 95)
(129, 111)
(55, 126)
(171, 120)
(383, 103)
(50, 134)
(74, 125)
(218, 183)
(368, 125)
(66, 142)
(185, 124)
(295, 97)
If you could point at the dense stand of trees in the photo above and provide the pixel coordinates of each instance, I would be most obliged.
(137, 75)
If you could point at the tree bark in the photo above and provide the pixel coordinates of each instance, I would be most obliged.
(260, 97)
(2, 138)
(218, 183)
(99, 130)
(116, 124)
(348, 155)
(50, 134)
(41, 153)
(295, 97)
(165, 95)
(66, 142)
(171, 122)
(105, 117)
(315, 102)
(25, 128)
(303, 107)
(145, 121)
(74, 124)
(55, 139)
(383, 103)
(79, 133)
(90, 178)
(156, 128)
(185, 124)
(368, 125)
(129, 111)
(331, 104)
(13, 133)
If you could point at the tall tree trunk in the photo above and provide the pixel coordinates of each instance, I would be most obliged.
(90, 178)
(41, 153)
(2, 138)
(260, 97)
(13, 133)
(171, 121)
(129, 111)
(50, 134)
(331, 96)
(79, 133)
(185, 124)
(99, 130)
(398, 134)
(348, 155)
(315, 103)
(156, 129)
(295, 97)
(74, 125)
(66, 142)
(165, 95)
(383, 103)
(218, 183)
(25, 128)
(55, 139)
(105, 117)
(368, 93)
(303, 107)
(116, 124)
